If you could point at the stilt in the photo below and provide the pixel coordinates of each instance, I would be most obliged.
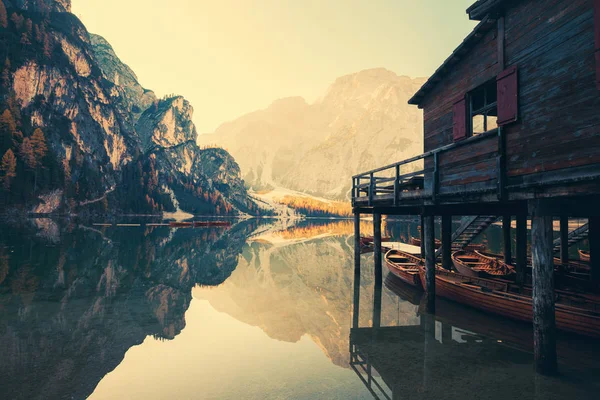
(422, 237)
(377, 246)
(564, 242)
(355, 315)
(594, 239)
(357, 242)
(521, 248)
(429, 234)
(377, 294)
(506, 221)
(447, 241)
(544, 324)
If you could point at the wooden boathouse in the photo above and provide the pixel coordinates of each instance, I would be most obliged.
(511, 131)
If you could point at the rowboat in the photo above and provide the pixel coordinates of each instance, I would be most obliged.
(584, 255)
(417, 242)
(438, 244)
(180, 224)
(475, 264)
(368, 240)
(200, 224)
(576, 313)
(404, 265)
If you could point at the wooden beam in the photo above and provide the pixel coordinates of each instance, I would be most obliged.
(594, 239)
(506, 233)
(422, 236)
(378, 270)
(357, 242)
(521, 248)
(564, 240)
(429, 234)
(377, 247)
(544, 323)
(447, 242)
(356, 303)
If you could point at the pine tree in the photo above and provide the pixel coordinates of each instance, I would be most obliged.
(3, 15)
(8, 131)
(27, 154)
(6, 74)
(38, 142)
(8, 169)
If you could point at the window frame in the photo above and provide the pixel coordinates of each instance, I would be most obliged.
(484, 110)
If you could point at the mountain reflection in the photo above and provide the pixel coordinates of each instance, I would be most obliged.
(74, 299)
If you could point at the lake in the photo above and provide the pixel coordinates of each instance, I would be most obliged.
(260, 310)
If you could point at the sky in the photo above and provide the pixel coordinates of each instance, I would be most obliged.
(231, 57)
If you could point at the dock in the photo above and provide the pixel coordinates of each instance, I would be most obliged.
(507, 138)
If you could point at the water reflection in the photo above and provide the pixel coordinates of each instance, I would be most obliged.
(462, 353)
(74, 299)
(260, 310)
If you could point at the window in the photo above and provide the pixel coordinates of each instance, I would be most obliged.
(483, 106)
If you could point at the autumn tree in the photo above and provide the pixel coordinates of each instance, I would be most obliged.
(8, 169)
(28, 154)
(3, 15)
(17, 20)
(6, 73)
(38, 142)
(9, 135)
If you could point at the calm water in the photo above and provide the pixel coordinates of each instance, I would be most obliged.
(256, 311)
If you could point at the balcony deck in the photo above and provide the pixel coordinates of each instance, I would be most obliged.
(472, 171)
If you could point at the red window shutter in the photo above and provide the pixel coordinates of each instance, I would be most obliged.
(597, 36)
(460, 120)
(508, 96)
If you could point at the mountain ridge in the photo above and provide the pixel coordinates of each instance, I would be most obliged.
(362, 121)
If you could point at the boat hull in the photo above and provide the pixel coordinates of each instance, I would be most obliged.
(513, 306)
(409, 276)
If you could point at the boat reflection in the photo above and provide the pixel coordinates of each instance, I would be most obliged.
(462, 353)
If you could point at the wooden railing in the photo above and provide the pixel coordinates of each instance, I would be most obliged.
(419, 177)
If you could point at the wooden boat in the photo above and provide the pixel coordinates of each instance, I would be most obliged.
(574, 312)
(478, 265)
(369, 240)
(417, 242)
(404, 265)
(200, 224)
(584, 255)
(438, 244)
(175, 224)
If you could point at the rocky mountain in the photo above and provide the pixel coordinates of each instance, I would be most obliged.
(74, 120)
(363, 121)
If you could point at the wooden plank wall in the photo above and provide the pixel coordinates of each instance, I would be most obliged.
(552, 42)
(476, 68)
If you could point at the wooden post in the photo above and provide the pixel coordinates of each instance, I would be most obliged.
(429, 262)
(422, 237)
(521, 249)
(506, 221)
(564, 241)
(594, 239)
(447, 241)
(544, 324)
(355, 320)
(377, 294)
(377, 246)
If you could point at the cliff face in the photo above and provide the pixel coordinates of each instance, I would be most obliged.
(363, 121)
(110, 142)
(40, 5)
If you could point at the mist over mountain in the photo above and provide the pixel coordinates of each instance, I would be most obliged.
(362, 121)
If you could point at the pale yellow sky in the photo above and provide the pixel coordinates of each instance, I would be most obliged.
(230, 57)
